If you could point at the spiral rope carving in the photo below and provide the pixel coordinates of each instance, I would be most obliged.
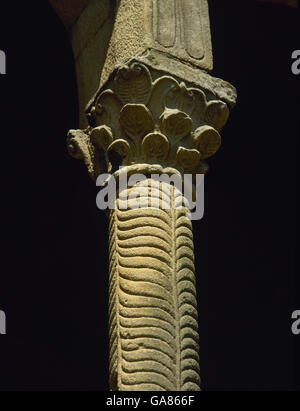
(152, 296)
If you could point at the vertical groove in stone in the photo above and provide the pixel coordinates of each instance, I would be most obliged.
(152, 300)
(192, 28)
(165, 22)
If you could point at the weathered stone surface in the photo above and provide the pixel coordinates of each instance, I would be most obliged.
(152, 29)
(157, 111)
(109, 33)
(90, 24)
(151, 123)
(142, 120)
(154, 342)
(90, 37)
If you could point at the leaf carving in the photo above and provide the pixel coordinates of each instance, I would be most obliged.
(121, 147)
(107, 111)
(102, 137)
(217, 114)
(180, 98)
(155, 146)
(161, 87)
(207, 140)
(133, 84)
(200, 107)
(136, 121)
(188, 159)
(175, 125)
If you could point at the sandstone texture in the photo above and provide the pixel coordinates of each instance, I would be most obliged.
(153, 108)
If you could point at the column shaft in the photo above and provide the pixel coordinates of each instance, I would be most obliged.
(152, 297)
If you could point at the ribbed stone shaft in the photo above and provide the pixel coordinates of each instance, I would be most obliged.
(152, 295)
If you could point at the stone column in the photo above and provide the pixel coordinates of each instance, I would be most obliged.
(157, 111)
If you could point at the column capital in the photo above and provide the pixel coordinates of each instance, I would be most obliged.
(157, 111)
(143, 116)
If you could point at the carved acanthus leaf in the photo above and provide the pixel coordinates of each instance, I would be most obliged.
(106, 111)
(102, 137)
(216, 114)
(122, 148)
(207, 140)
(200, 107)
(155, 146)
(180, 98)
(133, 84)
(161, 87)
(138, 120)
(175, 125)
(187, 159)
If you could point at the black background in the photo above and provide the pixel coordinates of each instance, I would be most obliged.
(54, 256)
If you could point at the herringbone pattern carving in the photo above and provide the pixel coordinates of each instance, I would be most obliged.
(152, 297)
